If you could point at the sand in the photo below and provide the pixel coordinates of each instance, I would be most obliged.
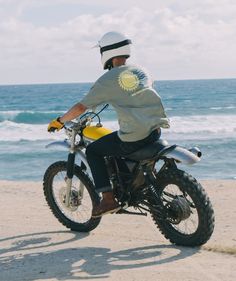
(35, 246)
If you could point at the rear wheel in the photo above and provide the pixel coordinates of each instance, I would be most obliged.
(76, 216)
(190, 216)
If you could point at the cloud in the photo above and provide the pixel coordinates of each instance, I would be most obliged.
(174, 41)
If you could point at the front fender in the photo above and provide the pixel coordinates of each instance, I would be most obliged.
(64, 143)
(81, 155)
(182, 155)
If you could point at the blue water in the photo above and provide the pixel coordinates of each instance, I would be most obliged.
(202, 113)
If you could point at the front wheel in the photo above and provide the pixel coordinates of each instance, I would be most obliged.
(76, 216)
(189, 214)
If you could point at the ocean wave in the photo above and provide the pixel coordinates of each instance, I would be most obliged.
(192, 127)
(223, 107)
(197, 127)
(29, 117)
(202, 127)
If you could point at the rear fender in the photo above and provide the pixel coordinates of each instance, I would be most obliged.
(182, 155)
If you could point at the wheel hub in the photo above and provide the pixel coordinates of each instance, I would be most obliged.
(74, 199)
(178, 210)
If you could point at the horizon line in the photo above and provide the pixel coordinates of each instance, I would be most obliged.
(89, 82)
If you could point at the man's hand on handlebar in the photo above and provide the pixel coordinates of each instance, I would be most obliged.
(55, 125)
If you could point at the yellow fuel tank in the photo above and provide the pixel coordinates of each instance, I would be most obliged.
(94, 132)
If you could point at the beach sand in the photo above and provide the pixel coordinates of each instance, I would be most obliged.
(35, 246)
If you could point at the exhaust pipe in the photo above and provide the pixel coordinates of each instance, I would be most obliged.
(196, 151)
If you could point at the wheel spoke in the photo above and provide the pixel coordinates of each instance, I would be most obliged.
(189, 219)
(185, 226)
(79, 213)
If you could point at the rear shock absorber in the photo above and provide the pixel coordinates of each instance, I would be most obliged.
(158, 206)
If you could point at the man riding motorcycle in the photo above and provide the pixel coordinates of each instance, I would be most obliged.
(139, 109)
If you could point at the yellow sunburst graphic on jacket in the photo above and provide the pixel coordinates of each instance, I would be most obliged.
(128, 81)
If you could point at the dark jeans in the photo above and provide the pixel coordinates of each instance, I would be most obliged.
(111, 145)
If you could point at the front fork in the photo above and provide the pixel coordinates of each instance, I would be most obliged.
(69, 175)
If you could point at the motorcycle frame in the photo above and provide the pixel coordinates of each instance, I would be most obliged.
(170, 155)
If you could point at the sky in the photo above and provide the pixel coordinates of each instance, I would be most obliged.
(51, 41)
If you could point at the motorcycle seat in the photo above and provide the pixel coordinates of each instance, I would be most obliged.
(150, 151)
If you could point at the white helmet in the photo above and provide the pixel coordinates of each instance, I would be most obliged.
(113, 44)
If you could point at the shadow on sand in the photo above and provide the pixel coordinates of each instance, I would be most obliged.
(41, 256)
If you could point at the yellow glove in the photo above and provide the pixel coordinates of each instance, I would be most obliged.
(54, 125)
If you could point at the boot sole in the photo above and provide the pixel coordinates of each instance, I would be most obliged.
(107, 212)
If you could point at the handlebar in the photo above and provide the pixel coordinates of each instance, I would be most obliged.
(84, 119)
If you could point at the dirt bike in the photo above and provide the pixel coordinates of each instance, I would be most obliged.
(151, 184)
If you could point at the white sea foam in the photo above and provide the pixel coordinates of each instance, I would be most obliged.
(9, 115)
(222, 107)
(197, 127)
(218, 125)
(191, 127)
(10, 131)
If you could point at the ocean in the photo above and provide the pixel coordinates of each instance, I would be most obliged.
(202, 113)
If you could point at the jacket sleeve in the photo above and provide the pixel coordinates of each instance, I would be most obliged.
(97, 95)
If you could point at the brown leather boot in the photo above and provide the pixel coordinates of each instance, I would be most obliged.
(108, 205)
